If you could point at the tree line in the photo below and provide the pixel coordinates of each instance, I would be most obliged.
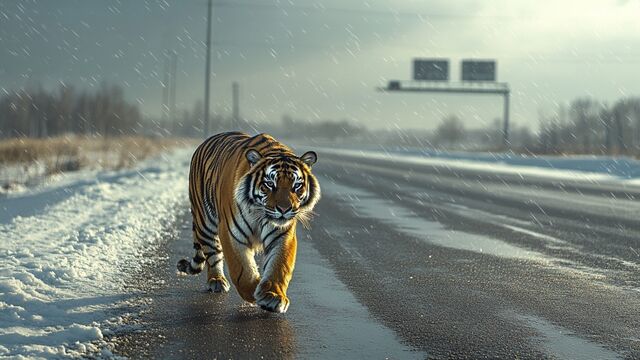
(40, 113)
(584, 126)
(592, 127)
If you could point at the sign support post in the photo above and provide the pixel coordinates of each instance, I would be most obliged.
(505, 118)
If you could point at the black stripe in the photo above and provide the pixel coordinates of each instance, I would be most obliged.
(208, 202)
(248, 189)
(210, 253)
(198, 216)
(245, 221)
(311, 188)
(199, 259)
(212, 232)
(269, 234)
(273, 242)
(238, 227)
(253, 180)
(239, 276)
(259, 142)
(205, 233)
(267, 261)
(233, 236)
(210, 244)
(216, 248)
(209, 149)
(216, 262)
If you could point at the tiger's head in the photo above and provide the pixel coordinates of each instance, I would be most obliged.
(281, 186)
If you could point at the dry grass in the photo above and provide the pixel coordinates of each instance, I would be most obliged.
(70, 153)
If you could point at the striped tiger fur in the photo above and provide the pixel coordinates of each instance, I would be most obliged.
(247, 194)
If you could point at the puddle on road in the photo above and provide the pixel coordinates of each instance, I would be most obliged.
(562, 343)
(331, 320)
(366, 204)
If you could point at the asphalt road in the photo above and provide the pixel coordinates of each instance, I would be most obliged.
(416, 261)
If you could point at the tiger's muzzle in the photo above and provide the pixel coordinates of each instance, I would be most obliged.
(281, 215)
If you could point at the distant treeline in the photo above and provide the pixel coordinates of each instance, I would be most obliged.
(39, 113)
(324, 129)
(592, 127)
(105, 111)
(585, 126)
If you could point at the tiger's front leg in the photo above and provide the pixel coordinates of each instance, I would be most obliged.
(279, 260)
(239, 255)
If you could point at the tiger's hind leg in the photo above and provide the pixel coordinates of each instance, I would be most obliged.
(215, 266)
(209, 241)
(207, 236)
(196, 265)
(208, 253)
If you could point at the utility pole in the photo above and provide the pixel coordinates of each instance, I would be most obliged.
(165, 90)
(235, 90)
(172, 91)
(207, 71)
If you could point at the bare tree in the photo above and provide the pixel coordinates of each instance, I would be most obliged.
(38, 113)
(450, 131)
(583, 114)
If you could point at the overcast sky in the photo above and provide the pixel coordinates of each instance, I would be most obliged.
(323, 59)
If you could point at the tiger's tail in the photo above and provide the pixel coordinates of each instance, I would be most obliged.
(195, 266)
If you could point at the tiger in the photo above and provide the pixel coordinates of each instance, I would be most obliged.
(247, 194)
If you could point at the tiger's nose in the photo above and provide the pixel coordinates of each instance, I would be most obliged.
(283, 210)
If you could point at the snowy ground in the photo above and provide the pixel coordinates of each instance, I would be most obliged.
(67, 248)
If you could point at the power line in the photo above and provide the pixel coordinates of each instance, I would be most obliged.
(165, 89)
(172, 90)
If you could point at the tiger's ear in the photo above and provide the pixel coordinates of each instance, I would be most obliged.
(309, 158)
(253, 156)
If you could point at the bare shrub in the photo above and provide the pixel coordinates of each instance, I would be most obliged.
(72, 153)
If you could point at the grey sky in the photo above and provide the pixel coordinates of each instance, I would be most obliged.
(314, 59)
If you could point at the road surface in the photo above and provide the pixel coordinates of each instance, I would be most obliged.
(416, 261)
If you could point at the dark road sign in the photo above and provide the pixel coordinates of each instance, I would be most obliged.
(478, 70)
(431, 69)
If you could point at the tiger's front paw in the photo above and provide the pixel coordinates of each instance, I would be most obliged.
(219, 284)
(273, 302)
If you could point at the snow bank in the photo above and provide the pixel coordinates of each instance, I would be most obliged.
(562, 169)
(620, 167)
(64, 254)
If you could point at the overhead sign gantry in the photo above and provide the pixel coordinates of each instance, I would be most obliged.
(477, 77)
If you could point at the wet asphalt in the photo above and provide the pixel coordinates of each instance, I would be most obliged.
(413, 261)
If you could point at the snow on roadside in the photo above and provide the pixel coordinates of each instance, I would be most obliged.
(488, 167)
(62, 268)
